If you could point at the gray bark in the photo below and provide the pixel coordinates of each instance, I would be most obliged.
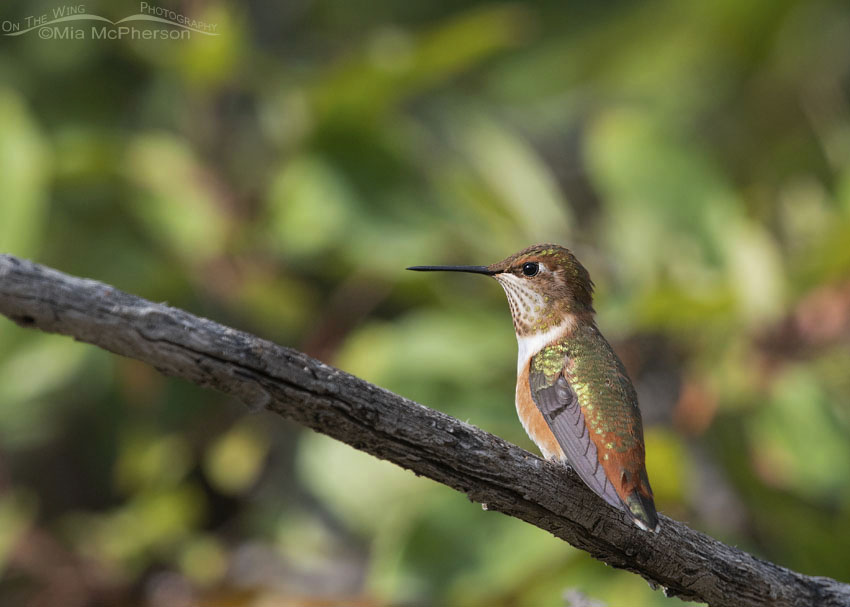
(684, 562)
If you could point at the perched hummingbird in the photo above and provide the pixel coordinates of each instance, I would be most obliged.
(573, 395)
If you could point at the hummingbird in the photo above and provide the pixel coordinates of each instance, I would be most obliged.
(573, 395)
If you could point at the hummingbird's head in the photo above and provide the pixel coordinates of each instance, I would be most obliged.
(545, 284)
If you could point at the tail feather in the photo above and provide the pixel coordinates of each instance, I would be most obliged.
(640, 504)
(642, 510)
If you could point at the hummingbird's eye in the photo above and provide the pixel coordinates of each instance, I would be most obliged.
(530, 268)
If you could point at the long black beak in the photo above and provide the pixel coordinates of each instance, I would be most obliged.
(470, 269)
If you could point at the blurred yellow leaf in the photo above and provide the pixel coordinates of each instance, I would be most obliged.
(234, 461)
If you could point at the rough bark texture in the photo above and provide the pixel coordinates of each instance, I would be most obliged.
(684, 562)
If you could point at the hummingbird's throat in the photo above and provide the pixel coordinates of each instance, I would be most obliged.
(532, 311)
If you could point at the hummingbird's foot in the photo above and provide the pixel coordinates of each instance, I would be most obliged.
(563, 460)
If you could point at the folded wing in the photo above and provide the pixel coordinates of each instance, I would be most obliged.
(559, 404)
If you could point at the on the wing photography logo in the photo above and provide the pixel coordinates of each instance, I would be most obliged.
(73, 22)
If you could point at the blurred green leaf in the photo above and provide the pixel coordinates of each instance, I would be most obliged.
(399, 63)
(356, 484)
(130, 537)
(659, 189)
(24, 175)
(33, 383)
(522, 182)
(152, 461)
(668, 466)
(177, 198)
(204, 559)
(798, 442)
(310, 206)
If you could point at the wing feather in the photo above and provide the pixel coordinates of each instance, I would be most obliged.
(559, 404)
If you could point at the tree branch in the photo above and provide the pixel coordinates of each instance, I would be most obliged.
(686, 563)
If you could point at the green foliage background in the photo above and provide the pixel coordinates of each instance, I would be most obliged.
(278, 177)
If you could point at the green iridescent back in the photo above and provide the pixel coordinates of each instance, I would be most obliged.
(606, 395)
